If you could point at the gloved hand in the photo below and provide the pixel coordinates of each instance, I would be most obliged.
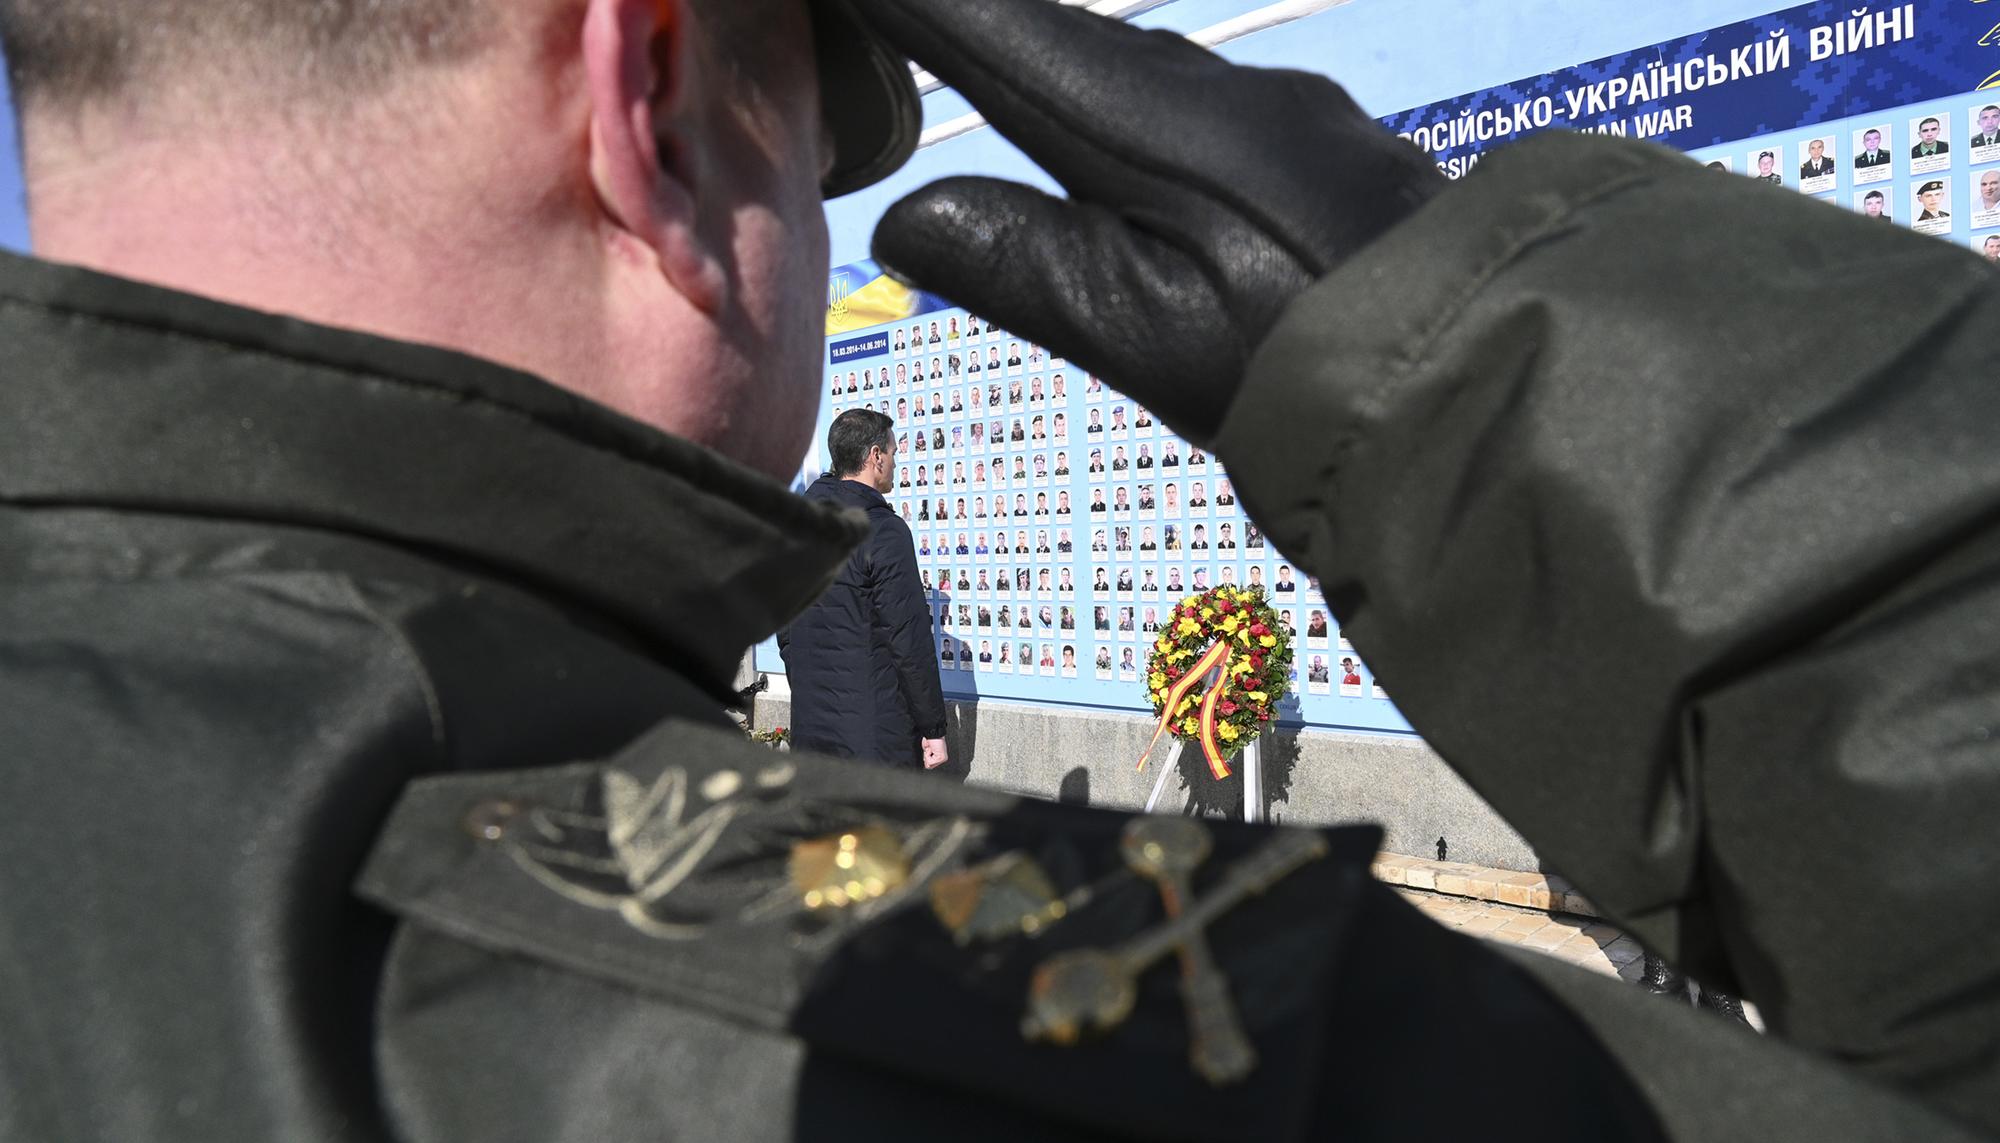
(1205, 197)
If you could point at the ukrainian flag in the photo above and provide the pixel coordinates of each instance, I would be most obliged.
(860, 296)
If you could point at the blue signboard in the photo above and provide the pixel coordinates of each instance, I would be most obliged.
(1795, 69)
(857, 348)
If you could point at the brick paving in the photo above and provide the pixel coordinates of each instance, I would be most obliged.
(1546, 892)
(1583, 941)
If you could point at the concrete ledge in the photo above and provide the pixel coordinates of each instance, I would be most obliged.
(1311, 777)
(1539, 891)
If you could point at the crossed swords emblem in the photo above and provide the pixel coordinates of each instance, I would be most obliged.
(1094, 990)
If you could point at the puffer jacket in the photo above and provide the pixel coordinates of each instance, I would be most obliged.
(862, 660)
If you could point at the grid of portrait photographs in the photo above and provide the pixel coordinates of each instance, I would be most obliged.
(1058, 522)
(1934, 167)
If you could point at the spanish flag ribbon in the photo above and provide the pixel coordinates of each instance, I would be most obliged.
(1216, 656)
(1217, 765)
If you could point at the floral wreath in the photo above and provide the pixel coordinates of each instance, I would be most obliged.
(1236, 631)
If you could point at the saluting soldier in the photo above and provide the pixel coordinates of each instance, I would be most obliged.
(390, 461)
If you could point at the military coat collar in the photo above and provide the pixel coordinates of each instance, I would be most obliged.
(127, 397)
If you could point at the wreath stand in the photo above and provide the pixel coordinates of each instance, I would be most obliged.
(1250, 761)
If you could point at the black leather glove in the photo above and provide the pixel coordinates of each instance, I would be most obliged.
(1205, 197)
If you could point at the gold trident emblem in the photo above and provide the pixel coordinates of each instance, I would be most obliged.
(836, 299)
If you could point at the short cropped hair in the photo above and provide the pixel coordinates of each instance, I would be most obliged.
(67, 53)
(854, 434)
(71, 52)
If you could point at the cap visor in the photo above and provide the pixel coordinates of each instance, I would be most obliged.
(868, 97)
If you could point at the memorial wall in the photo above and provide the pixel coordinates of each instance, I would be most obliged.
(1057, 522)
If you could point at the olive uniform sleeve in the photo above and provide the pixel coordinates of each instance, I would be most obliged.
(1662, 503)
(901, 606)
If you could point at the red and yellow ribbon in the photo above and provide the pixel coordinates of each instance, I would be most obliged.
(1217, 764)
(1216, 656)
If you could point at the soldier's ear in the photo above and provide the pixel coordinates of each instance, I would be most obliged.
(639, 59)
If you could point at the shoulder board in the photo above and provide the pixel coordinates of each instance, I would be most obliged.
(912, 924)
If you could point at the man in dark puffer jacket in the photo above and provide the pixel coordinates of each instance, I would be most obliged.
(863, 670)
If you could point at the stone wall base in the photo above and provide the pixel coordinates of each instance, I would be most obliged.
(1310, 778)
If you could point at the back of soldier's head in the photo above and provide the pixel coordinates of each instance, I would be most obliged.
(65, 53)
(621, 196)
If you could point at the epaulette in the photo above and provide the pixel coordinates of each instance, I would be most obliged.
(1050, 955)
